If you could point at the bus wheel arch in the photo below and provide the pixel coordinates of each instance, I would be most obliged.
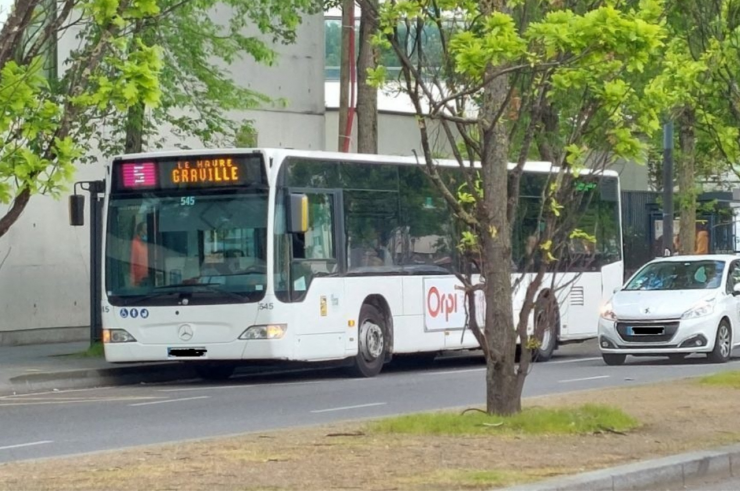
(544, 305)
(374, 337)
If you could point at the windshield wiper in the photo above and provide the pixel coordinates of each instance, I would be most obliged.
(213, 287)
(146, 297)
(176, 289)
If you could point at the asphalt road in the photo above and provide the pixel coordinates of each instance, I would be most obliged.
(71, 422)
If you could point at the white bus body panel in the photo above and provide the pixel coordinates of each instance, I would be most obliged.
(428, 314)
(324, 325)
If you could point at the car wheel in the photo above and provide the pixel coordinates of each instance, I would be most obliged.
(613, 360)
(371, 343)
(214, 371)
(549, 335)
(722, 344)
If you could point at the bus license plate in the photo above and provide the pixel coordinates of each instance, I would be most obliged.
(186, 352)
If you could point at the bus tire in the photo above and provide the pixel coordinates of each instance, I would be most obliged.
(372, 342)
(214, 371)
(549, 340)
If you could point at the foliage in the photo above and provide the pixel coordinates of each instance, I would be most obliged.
(722, 379)
(200, 88)
(566, 82)
(702, 63)
(43, 119)
(96, 350)
(581, 420)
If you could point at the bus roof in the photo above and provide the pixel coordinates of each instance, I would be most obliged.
(530, 166)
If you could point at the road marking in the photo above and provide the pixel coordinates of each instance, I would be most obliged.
(32, 394)
(446, 372)
(577, 360)
(560, 362)
(31, 402)
(31, 444)
(583, 379)
(220, 387)
(168, 400)
(348, 407)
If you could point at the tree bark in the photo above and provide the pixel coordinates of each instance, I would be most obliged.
(367, 95)
(135, 129)
(344, 75)
(503, 392)
(15, 211)
(687, 182)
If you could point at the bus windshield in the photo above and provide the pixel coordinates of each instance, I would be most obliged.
(206, 247)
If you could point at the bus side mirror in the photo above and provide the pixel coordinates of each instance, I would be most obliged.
(77, 210)
(297, 213)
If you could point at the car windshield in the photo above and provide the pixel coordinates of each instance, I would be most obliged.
(679, 275)
(208, 246)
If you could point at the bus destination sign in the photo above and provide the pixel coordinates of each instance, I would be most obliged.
(188, 173)
(206, 171)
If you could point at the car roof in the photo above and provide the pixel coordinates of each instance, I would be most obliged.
(697, 257)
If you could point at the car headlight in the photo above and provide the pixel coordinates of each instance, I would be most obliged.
(117, 336)
(270, 331)
(705, 307)
(607, 312)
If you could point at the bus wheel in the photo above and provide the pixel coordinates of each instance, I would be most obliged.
(550, 333)
(214, 371)
(371, 342)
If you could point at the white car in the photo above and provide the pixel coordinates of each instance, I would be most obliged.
(675, 306)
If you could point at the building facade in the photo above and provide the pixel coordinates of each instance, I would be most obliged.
(45, 263)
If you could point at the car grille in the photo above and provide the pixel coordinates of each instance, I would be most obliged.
(647, 332)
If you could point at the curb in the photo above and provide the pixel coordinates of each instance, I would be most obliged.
(99, 377)
(678, 470)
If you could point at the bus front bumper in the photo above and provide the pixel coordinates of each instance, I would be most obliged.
(255, 349)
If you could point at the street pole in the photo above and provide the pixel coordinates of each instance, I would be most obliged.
(668, 188)
(96, 190)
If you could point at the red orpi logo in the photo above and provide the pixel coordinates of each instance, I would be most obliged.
(441, 303)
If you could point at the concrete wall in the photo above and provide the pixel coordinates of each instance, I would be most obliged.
(398, 134)
(44, 288)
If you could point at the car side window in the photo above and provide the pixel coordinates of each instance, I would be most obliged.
(733, 277)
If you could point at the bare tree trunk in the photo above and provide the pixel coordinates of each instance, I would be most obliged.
(367, 95)
(344, 75)
(503, 388)
(686, 182)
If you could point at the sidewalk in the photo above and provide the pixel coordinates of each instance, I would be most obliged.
(673, 473)
(33, 368)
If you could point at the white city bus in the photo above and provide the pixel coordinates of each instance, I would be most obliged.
(216, 257)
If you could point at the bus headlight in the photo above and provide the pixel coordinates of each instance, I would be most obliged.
(270, 331)
(117, 336)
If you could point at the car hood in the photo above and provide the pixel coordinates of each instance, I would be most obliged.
(661, 304)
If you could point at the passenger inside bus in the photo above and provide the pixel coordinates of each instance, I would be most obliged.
(139, 263)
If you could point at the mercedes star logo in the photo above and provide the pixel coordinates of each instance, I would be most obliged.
(185, 332)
